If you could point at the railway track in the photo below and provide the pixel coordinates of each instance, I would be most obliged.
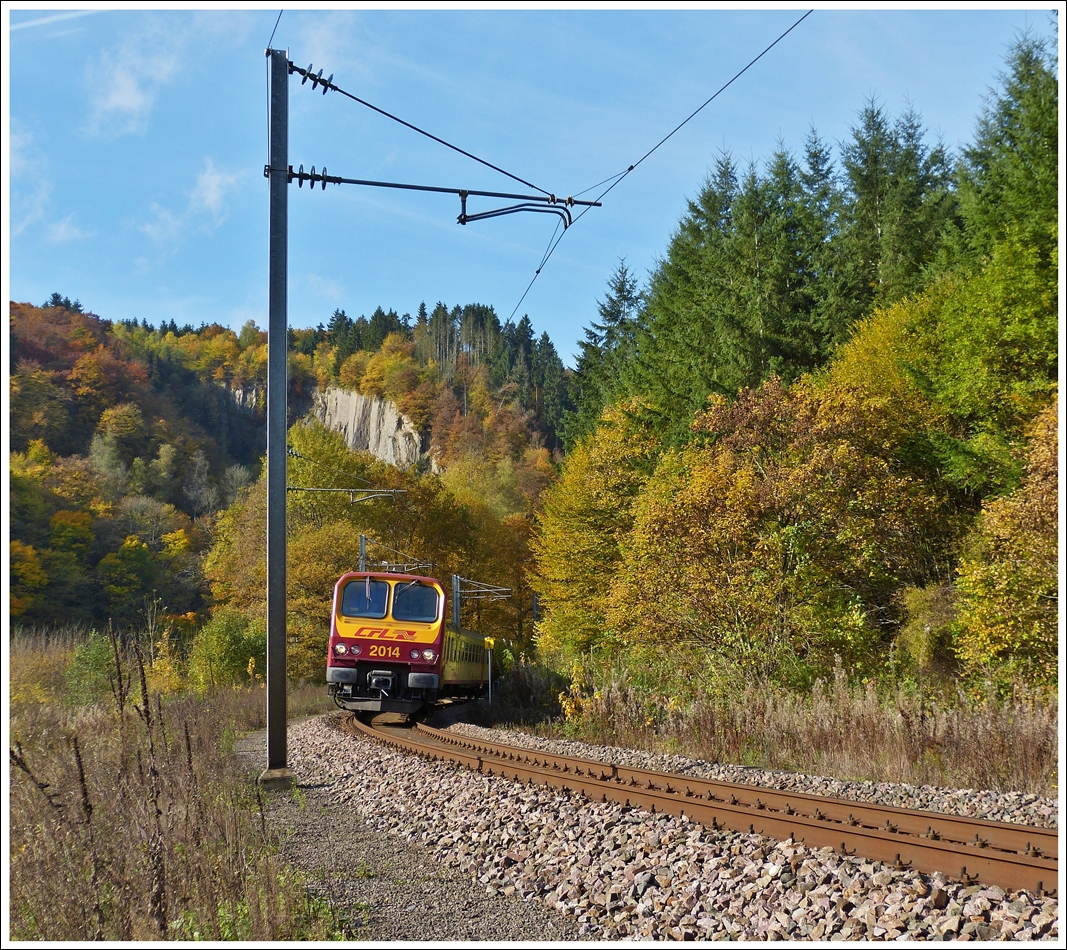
(1011, 856)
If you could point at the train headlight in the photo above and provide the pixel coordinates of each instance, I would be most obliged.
(414, 654)
(429, 656)
(354, 649)
(340, 649)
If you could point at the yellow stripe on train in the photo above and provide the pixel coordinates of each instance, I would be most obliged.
(385, 631)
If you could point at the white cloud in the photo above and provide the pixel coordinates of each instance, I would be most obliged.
(211, 189)
(30, 190)
(20, 141)
(127, 79)
(328, 41)
(67, 230)
(164, 227)
(124, 96)
(206, 208)
(324, 288)
(26, 208)
(53, 18)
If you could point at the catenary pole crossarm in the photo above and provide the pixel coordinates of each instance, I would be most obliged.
(550, 203)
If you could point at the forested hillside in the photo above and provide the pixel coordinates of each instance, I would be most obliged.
(121, 454)
(136, 450)
(823, 435)
(819, 440)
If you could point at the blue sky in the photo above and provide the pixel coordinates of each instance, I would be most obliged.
(137, 142)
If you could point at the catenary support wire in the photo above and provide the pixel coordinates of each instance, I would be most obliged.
(328, 84)
(616, 179)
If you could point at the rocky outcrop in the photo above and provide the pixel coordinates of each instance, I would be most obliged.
(369, 424)
(253, 399)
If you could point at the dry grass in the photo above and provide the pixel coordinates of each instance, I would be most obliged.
(848, 732)
(130, 819)
(39, 659)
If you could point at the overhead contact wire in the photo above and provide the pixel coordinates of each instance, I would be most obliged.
(619, 177)
(599, 183)
(711, 99)
(294, 454)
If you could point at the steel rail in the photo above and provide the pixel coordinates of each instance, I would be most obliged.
(1000, 835)
(1015, 857)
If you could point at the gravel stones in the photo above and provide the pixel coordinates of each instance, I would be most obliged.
(386, 887)
(611, 872)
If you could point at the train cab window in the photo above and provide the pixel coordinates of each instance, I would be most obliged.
(365, 598)
(415, 601)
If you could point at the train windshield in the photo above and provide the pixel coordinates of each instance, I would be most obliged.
(415, 601)
(365, 598)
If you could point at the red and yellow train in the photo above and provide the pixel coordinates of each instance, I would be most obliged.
(392, 648)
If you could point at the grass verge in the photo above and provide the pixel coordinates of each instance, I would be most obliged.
(131, 820)
(838, 729)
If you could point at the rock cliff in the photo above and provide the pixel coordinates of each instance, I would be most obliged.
(369, 424)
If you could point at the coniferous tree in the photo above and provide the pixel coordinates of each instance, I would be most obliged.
(550, 390)
(832, 310)
(898, 205)
(442, 337)
(603, 354)
(1008, 178)
(341, 334)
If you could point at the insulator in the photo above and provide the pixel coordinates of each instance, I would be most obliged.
(326, 85)
(300, 178)
(312, 186)
(323, 177)
(307, 72)
(317, 80)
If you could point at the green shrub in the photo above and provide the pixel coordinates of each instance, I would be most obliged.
(89, 674)
(229, 649)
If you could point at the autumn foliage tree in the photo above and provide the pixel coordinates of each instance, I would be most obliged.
(777, 540)
(1006, 628)
(587, 515)
(424, 521)
(839, 378)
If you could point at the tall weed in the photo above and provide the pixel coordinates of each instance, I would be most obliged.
(130, 820)
(838, 728)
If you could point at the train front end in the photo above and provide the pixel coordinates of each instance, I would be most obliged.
(385, 642)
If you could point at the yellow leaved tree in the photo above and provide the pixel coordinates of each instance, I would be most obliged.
(586, 515)
(1006, 628)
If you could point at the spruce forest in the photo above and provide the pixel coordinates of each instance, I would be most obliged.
(817, 443)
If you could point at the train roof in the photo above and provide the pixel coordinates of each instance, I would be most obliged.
(390, 575)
